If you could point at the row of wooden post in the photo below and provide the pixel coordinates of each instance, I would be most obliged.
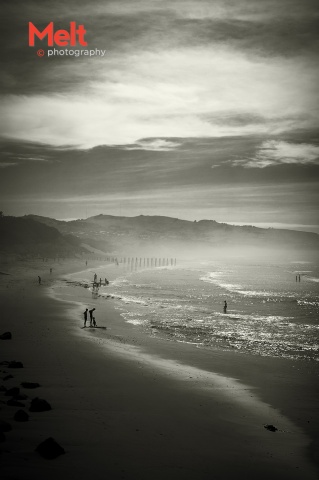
(143, 262)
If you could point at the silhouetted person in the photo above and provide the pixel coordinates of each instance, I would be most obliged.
(296, 278)
(106, 282)
(39, 280)
(94, 322)
(86, 263)
(91, 316)
(85, 313)
(50, 271)
(95, 277)
(225, 306)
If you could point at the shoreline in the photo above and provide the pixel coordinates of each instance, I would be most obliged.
(198, 412)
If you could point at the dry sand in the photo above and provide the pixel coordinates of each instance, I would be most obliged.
(126, 405)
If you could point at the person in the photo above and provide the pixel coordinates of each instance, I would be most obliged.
(39, 280)
(95, 277)
(86, 263)
(225, 306)
(106, 282)
(91, 316)
(50, 271)
(85, 313)
(94, 322)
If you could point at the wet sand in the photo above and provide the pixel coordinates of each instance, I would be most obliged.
(126, 405)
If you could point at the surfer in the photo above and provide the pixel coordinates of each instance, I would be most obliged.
(39, 280)
(91, 317)
(225, 306)
(85, 313)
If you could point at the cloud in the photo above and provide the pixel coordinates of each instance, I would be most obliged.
(187, 92)
(31, 158)
(7, 164)
(156, 145)
(274, 152)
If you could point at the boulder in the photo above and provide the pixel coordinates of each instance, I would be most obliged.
(14, 364)
(39, 405)
(12, 392)
(30, 385)
(5, 426)
(6, 336)
(271, 428)
(50, 449)
(21, 416)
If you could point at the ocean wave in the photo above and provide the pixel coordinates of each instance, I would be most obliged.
(311, 279)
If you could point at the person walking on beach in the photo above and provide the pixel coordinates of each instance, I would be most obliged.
(85, 313)
(95, 278)
(39, 280)
(91, 317)
(225, 306)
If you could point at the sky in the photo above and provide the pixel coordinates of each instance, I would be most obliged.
(203, 109)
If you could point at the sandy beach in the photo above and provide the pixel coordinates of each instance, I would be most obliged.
(127, 405)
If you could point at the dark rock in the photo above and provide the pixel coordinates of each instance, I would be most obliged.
(12, 392)
(2, 388)
(50, 449)
(2, 437)
(21, 416)
(21, 396)
(14, 364)
(271, 428)
(6, 336)
(15, 403)
(30, 385)
(39, 405)
(7, 377)
(5, 426)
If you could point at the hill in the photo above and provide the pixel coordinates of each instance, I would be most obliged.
(161, 235)
(26, 235)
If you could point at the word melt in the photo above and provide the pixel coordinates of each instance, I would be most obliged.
(58, 37)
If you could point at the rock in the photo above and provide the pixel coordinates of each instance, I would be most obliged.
(39, 405)
(30, 385)
(15, 403)
(271, 428)
(50, 449)
(12, 392)
(21, 396)
(6, 336)
(21, 416)
(5, 426)
(14, 364)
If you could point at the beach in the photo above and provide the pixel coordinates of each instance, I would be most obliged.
(126, 404)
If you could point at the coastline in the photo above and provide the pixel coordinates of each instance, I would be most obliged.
(132, 406)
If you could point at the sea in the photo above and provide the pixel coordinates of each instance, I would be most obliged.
(272, 308)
